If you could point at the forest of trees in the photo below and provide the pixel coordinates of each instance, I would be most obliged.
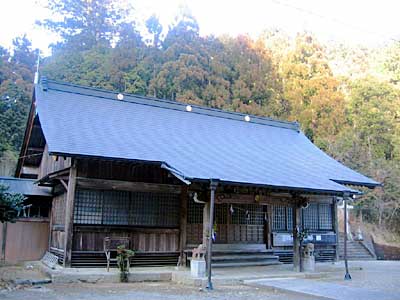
(347, 99)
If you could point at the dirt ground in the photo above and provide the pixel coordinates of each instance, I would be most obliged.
(375, 275)
(138, 291)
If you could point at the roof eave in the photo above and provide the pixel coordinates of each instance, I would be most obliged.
(224, 182)
(370, 185)
(281, 188)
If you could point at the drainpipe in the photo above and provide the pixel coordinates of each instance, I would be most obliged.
(213, 187)
(346, 197)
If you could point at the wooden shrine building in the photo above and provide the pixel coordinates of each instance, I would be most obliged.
(142, 168)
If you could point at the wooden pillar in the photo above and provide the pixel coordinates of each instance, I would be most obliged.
(4, 242)
(336, 227)
(213, 187)
(346, 198)
(69, 215)
(183, 225)
(269, 227)
(296, 241)
(206, 222)
(51, 215)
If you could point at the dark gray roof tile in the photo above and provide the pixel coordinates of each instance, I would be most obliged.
(202, 144)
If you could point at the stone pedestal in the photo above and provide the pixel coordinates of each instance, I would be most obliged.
(309, 264)
(198, 268)
(308, 258)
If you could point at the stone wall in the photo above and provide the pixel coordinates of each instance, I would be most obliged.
(386, 252)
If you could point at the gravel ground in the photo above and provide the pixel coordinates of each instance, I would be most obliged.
(138, 291)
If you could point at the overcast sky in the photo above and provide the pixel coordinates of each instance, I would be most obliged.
(369, 22)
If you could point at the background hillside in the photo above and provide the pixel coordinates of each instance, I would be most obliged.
(347, 99)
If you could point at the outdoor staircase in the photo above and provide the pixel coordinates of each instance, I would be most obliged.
(230, 255)
(223, 259)
(356, 250)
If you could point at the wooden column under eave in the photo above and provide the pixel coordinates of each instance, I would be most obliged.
(69, 216)
(296, 241)
(269, 227)
(336, 227)
(206, 222)
(183, 223)
(51, 215)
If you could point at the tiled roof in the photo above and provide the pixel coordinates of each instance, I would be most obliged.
(26, 187)
(200, 144)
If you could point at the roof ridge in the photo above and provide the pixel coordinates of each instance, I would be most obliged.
(167, 104)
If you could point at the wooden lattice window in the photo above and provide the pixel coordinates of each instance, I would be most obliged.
(318, 216)
(194, 212)
(310, 217)
(126, 208)
(88, 207)
(282, 218)
(325, 217)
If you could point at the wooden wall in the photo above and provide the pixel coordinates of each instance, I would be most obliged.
(50, 164)
(58, 222)
(26, 239)
(115, 170)
(90, 238)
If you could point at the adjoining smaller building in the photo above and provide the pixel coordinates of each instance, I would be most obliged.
(27, 238)
(145, 169)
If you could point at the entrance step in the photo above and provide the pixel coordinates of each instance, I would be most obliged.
(241, 255)
(247, 259)
(244, 264)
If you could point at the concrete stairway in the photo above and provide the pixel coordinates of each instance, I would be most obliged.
(242, 256)
(355, 250)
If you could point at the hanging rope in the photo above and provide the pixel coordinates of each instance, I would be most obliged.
(247, 212)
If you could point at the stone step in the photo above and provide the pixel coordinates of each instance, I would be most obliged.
(245, 264)
(244, 258)
(241, 252)
(355, 250)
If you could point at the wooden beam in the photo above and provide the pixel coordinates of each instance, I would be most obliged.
(64, 184)
(105, 184)
(69, 216)
(25, 143)
(253, 198)
(35, 149)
